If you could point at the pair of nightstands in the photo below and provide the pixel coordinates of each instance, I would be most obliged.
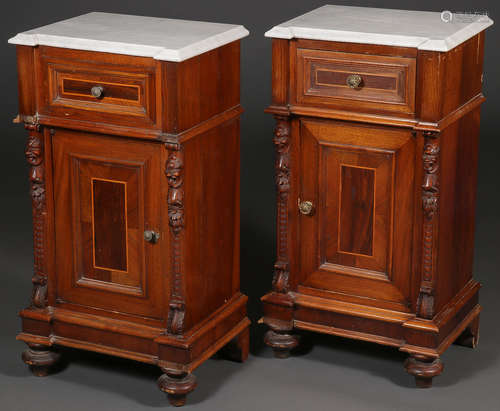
(134, 154)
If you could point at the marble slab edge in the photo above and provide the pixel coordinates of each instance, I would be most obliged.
(141, 50)
(421, 43)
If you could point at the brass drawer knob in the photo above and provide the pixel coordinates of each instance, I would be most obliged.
(354, 81)
(306, 207)
(97, 91)
(151, 236)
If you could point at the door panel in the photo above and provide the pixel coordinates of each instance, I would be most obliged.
(104, 202)
(361, 182)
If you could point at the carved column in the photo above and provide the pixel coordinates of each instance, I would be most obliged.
(424, 368)
(34, 157)
(430, 204)
(174, 172)
(282, 179)
(279, 338)
(40, 358)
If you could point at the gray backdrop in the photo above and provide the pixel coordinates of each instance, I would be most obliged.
(329, 373)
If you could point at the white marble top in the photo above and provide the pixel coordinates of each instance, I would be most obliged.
(160, 38)
(421, 29)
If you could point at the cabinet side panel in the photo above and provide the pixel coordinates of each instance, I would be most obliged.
(430, 80)
(464, 68)
(467, 172)
(459, 157)
(26, 80)
(446, 81)
(211, 220)
(280, 72)
(205, 85)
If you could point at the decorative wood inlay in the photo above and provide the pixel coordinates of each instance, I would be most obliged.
(282, 179)
(356, 209)
(109, 224)
(174, 173)
(430, 204)
(114, 91)
(34, 157)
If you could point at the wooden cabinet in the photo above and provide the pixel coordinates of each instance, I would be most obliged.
(376, 168)
(134, 169)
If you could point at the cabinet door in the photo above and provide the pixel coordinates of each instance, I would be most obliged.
(106, 195)
(357, 240)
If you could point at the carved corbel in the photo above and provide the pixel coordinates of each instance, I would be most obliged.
(34, 156)
(174, 172)
(430, 205)
(282, 180)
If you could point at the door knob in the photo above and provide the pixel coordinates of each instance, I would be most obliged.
(306, 207)
(354, 81)
(97, 91)
(151, 236)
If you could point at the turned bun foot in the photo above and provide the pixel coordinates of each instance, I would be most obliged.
(40, 359)
(176, 385)
(281, 343)
(470, 336)
(423, 369)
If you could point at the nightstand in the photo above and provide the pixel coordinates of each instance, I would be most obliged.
(134, 153)
(376, 142)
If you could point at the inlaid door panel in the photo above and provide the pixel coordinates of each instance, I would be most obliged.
(105, 192)
(357, 241)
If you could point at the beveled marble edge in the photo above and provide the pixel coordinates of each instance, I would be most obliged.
(421, 43)
(156, 52)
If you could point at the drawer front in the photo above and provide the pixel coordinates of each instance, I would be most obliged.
(358, 82)
(93, 86)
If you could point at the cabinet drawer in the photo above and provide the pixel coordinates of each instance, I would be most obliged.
(360, 82)
(98, 87)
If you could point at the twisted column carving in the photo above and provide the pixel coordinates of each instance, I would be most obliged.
(174, 172)
(34, 157)
(281, 142)
(430, 204)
